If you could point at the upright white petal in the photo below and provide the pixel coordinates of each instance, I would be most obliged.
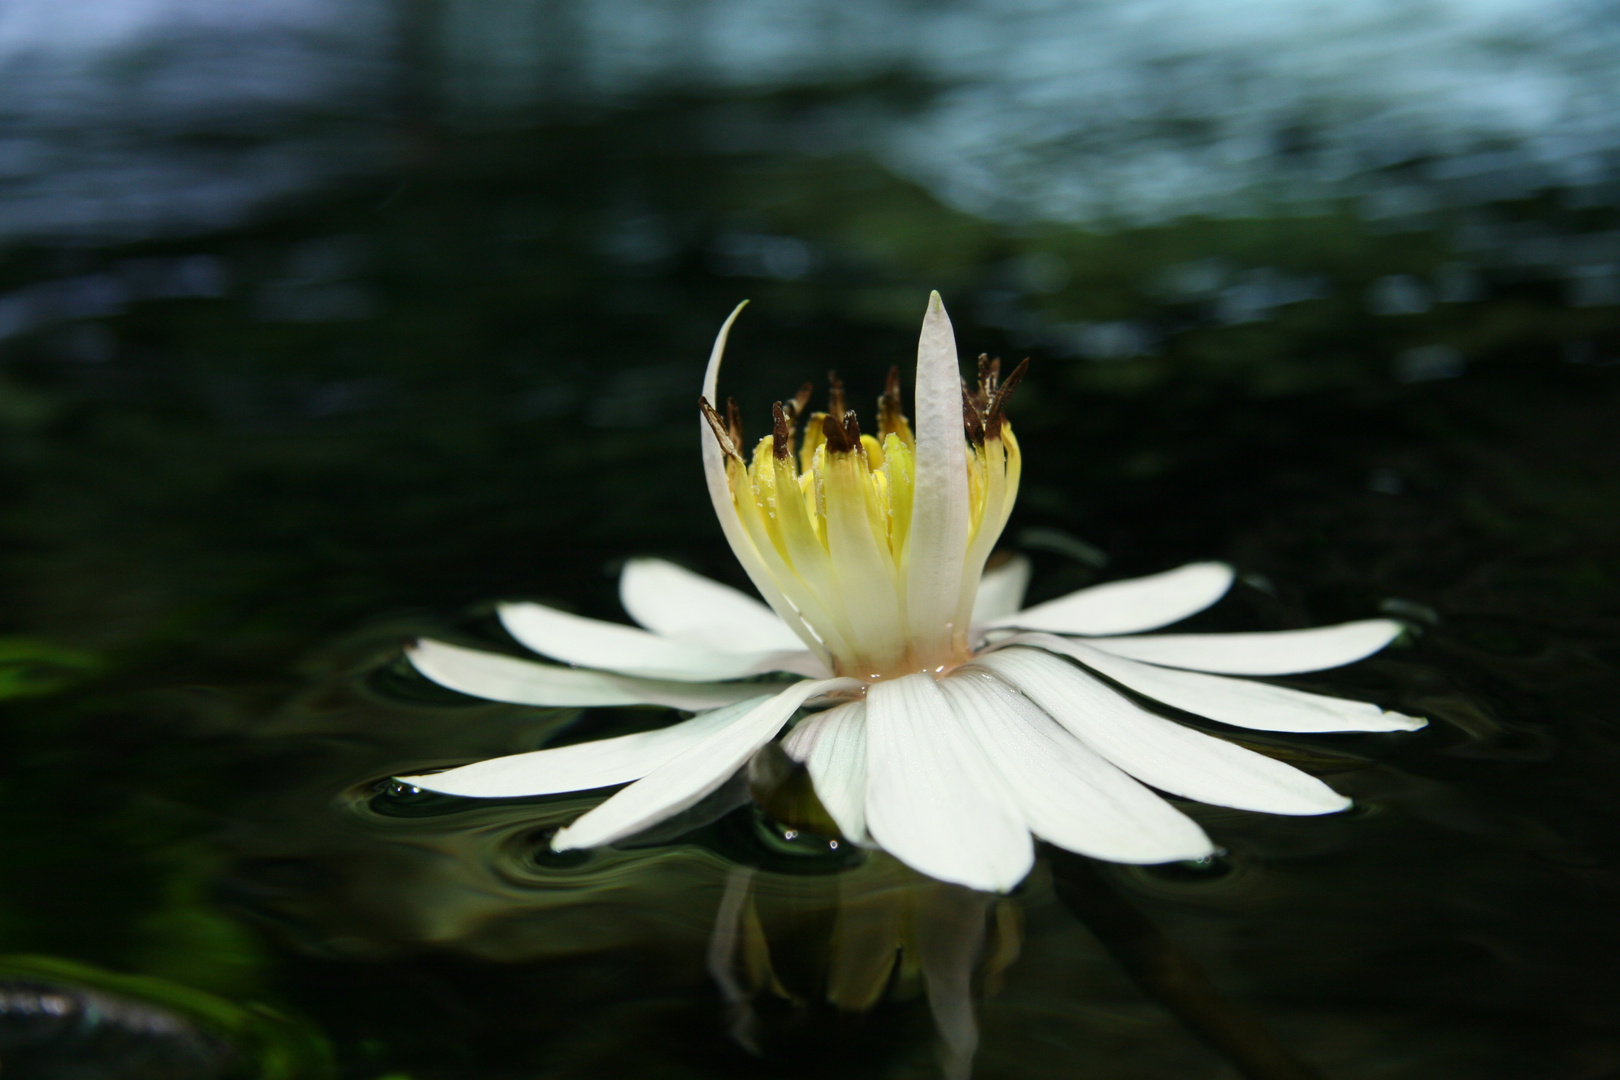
(693, 773)
(936, 542)
(524, 682)
(583, 765)
(1284, 652)
(676, 603)
(1068, 794)
(1238, 702)
(1168, 755)
(932, 801)
(630, 650)
(714, 472)
(1129, 607)
(832, 745)
(1001, 590)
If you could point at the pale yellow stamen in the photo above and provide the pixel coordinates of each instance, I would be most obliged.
(830, 520)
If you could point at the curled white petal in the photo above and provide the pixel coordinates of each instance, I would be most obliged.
(1238, 702)
(1129, 607)
(693, 773)
(1160, 752)
(932, 800)
(1068, 794)
(1282, 652)
(675, 603)
(714, 473)
(629, 650)
(524, 682)
(582, 766)
(1001, 590)
(832, 745)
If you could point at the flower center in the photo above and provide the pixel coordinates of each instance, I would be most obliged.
(830, 515)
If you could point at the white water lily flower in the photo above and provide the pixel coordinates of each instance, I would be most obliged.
(958, 726)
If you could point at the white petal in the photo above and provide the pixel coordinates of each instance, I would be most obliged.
(1238, 702)
(1068, 794)
(932, 800)
(832, 745)
(693, 773)
(584, 765)
(1001, 590)
(936, 542)
(524, 682)
(1157, 751)
(1128, 607)
(714, 472)
(575, 639)
(1284, 652)
(674, 602)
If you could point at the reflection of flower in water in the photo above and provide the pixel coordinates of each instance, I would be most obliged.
(958, 725)
(891, 938)
(337, 864)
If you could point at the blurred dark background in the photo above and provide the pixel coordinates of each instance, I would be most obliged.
(324, 325)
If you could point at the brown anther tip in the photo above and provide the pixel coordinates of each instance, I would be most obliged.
(837, 436)
(998, 409)
(971, 419)
(781, 433)
(835, 394)
(989, 377)
(800, 402)
(852, 429)
(890, 418)
(1013, 380)
(734, 426)
(716, 425)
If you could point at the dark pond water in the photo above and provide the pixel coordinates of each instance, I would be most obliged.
(325, 327)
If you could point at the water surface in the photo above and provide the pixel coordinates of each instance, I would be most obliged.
(318, 334)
